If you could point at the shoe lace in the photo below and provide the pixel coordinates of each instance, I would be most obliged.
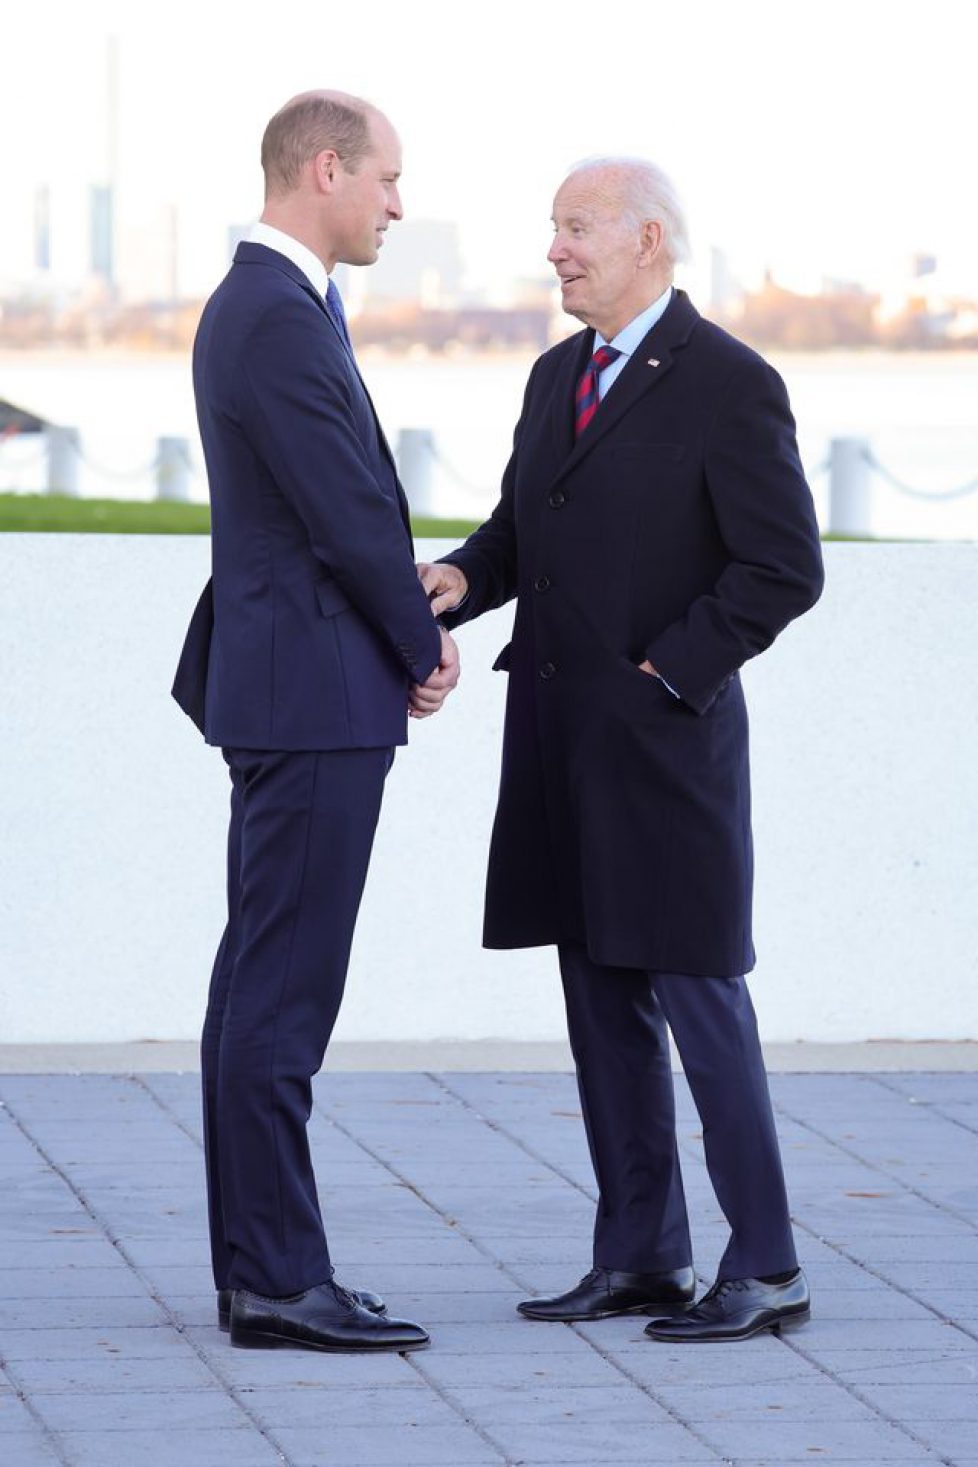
(723, 1287)
(345, 1296)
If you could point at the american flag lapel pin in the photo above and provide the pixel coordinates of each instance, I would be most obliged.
(653, 361)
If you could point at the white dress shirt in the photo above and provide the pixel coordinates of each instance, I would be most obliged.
(629, 339)
(301, 256)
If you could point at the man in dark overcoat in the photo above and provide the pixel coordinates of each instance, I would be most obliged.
(657, 531)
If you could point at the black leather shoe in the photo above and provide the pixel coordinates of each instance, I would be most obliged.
(373, 1302)
(605, 1292)
(736, 1309)
(326, 1317)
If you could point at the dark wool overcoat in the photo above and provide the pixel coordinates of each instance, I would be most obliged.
(678, 528)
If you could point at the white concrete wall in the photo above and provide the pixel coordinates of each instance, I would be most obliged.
(112, 813)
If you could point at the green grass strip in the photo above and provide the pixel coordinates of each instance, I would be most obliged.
(61, 513)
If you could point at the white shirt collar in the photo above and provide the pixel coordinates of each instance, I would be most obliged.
(276, 239)
(631, 335)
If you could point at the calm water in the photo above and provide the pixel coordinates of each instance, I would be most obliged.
(920, 414)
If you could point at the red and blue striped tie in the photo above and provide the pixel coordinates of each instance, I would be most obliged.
(586, 397)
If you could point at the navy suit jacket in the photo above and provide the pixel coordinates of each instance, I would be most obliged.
(314, 623)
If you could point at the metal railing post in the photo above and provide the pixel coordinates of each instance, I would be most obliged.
(850, 490)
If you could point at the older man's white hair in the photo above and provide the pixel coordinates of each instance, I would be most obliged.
(648, 193)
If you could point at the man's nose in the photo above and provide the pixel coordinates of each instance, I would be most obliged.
(557, 250)
(395, 208)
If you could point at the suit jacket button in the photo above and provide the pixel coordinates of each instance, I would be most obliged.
(547, 671)
(542, 583)
(557, 498)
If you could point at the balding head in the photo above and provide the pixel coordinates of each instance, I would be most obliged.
(643, 193)
(618, 234)
(310, 124)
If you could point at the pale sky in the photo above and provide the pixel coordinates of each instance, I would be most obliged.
(822, 137)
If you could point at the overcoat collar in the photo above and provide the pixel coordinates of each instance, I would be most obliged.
(651, 360)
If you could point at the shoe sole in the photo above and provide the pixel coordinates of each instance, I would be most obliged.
(254, 1340)
(784, 1325)
(658, 1311)
(224, 1320)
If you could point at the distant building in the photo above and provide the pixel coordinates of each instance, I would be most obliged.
(42, 228)
(102, 233)
(421, 260)
(726, 291)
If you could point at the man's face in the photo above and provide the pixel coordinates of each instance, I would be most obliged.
(368, 198)
(597, 252)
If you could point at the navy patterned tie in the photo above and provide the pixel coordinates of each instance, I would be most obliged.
(334, 305)
(586, 397)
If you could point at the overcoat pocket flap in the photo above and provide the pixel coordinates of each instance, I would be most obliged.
(501, 663)
(332, 598)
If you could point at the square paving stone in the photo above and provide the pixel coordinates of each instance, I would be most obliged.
(901, 1367)
(557, 1405)
(582, 1371)
(248, 1370)
(29, 1449)
(517, 1338)
(954, 1438)
(806, 1399)
(68, 1282)
(142, 1411)
(111, 1312)
(14, 1416)
(933, 1402)
(93, 1344)
(168, 1374)
(379, 1446)
(175, 1447)
(601, 1441)
(787, 1441)
(879, 1334)
(55, 1254)
(327, 1408)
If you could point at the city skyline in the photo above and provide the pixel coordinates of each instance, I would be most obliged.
(841, 168)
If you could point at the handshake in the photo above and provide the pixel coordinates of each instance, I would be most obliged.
(446, 587)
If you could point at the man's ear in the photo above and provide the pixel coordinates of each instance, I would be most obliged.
(325, 166)
(651, 241)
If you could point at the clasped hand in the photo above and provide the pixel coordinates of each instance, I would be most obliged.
(445, 586)
(426, 698)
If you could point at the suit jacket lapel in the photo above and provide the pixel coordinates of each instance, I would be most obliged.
(248, 253)
(651, 361)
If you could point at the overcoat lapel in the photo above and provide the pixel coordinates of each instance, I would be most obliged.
(651, 361)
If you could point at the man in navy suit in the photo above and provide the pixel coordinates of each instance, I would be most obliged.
(308, 649)
(657, 530)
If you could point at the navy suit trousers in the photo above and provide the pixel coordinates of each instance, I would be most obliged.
(617, 1020)
(301, 832)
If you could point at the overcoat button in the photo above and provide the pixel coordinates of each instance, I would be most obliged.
(557, 498)
(547, 671)
(542, 583)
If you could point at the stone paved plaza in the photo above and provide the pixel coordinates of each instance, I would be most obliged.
(456, 1194)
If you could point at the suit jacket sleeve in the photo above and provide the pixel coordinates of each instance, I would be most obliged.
(489, 556)
(296, 403)
(764, 513)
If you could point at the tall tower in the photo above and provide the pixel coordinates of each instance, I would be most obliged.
(42, 227)
(103, 194)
